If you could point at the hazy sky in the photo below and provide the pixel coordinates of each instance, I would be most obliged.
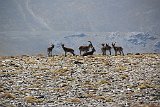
(28, 26)
(80, 15)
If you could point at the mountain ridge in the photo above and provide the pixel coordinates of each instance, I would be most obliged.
(15, 43)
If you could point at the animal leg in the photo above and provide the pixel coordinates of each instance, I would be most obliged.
(48, 54)
(115, 53)
(102, 52)
(73, 54)
(110, 52)
(122, 53)
(51, 53)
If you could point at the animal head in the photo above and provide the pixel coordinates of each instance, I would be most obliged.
(107, 45)
(90, 41)
(90, 45)
(62, 45)
(52, 45)
(113, 44)
(102, 44)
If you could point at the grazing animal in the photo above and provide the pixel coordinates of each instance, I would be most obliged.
(105, 48)
(90, 52)
(49, 50)
(85, 48)
(117, 49)
(68, 50)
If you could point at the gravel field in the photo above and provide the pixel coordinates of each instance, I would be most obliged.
(77, 81)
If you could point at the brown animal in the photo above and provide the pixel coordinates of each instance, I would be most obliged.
(117, 49)
(90, 52)
(70, 50)
(105, 48)
(49, 50)
(85, 48)
(108, 48)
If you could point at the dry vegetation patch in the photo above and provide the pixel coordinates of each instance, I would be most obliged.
(95, 80)
(7, 95)
(73, 100)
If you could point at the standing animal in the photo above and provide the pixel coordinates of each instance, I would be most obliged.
(117, 49)
(90, 52)
(108, 48)
(49, 50)
(85, 48)
(70, 50)
(105, 48)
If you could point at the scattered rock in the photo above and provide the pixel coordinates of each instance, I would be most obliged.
(77, 62)
(101, 81)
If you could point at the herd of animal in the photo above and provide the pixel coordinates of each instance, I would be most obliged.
(86, 49)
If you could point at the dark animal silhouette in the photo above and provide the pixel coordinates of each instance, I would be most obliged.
(90, 52)
(105, 48)
(108, 48)
(49, 50)
(70, 50)
(117, 49)
(85, 48)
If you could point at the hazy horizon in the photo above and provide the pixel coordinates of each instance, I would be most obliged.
(40, 22)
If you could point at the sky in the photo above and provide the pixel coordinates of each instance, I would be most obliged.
(80, 15)
(29, 26)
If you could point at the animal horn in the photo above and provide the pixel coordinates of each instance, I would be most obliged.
(90, 42)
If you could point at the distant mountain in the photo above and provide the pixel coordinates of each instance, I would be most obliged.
(34, 43)
(157, 47)
(141, 39)
(79, 35)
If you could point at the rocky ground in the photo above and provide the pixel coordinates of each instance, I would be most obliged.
(92, 81)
